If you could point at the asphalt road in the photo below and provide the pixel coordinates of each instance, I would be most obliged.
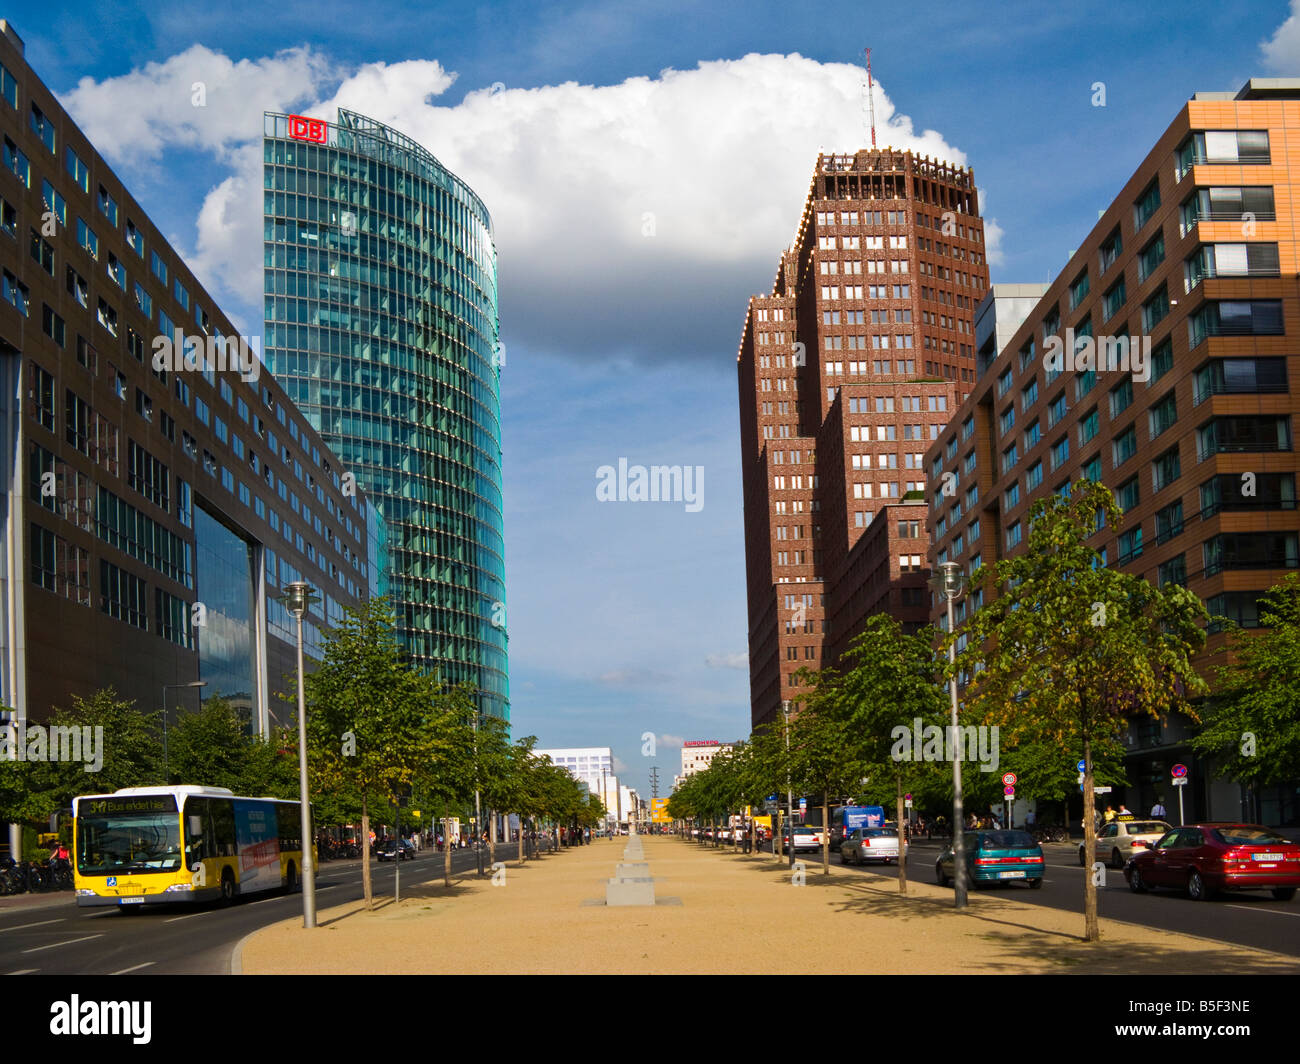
(1253, 918)
(48, 934)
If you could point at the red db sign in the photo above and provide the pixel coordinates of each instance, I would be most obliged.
(303, 128)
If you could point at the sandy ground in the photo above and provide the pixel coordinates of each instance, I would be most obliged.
(729, 914)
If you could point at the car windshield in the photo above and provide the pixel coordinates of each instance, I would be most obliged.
(120, 843)
(1147, 827)
(1246, 835)
(876, 833)
(1008, 840)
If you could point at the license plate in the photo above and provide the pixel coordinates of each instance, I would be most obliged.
(130, 901)
(1011, 875)
(1266, 857)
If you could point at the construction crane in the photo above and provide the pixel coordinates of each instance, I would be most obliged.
(871, 99)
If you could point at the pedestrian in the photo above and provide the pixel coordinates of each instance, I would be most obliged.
(1159, 808)
(1029, 820)
(1109, 815)
(1123, 810)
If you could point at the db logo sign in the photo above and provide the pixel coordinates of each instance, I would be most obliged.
(302, 128)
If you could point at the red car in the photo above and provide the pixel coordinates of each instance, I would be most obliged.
(1204, 859)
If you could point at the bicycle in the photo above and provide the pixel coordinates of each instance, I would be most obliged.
(11, 879)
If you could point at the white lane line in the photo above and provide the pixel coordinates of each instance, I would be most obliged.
(25, 971)
(262, 902)
(55, 945)
(1258, 909)
(187, 916)
(133, 968)
(39, 923)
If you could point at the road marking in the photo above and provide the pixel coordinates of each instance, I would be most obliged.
(133, 968)
(263, 901)
(25, 971)
(1259, 909)
(55, 945)
(19, 927)
(187, 916)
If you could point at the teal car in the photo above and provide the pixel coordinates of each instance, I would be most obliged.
(995, 857)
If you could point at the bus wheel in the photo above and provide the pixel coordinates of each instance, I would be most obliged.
(227, 887)
(290, 878)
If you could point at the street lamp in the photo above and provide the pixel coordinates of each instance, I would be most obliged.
(948, 581)
(166, 688)
(478, 815)
(297, 596)
(789, 794)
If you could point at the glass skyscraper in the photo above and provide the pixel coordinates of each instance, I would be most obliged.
(381, 323)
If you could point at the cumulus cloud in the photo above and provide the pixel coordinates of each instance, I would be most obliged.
(1282, 50)
(676, 191)
(671, 741)
(727, 661)
(633, 678)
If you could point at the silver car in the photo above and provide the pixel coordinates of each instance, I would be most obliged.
(869, 844)
(1122, 838)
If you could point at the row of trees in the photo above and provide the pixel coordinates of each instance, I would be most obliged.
(381, 735)
(1058, 653)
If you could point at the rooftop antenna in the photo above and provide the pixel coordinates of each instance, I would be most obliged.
(871, 100)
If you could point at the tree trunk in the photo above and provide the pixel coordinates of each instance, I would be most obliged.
(902, 841)
(523, 831)
(778, 840)
(826, 836)
(446, 849)
(1091, 932)
(492, 837)
(366, 890)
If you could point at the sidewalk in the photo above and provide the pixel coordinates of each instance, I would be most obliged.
(736, 914)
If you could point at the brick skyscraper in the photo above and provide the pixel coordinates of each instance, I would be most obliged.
(848, 370)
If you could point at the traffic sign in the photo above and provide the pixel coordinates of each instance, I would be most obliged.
(1101, 790)
(1010, 792)
(1082, 765)
(907, 802)
(1008, 779)
(1181, 781)
(1178, 771)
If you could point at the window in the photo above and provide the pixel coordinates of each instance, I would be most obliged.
(1162, 415)
(1056, 410)
(1169, 521)
(1227, 491)
(1011, 497)
(1121, 397)
(107, 206)
(16, 293)
(1113, 300)
(43, 128)
(1155, 309)
(1257, 317)
(1034, 477)
(159, 268)
(116, 272)
(1151, 257)
(1173, 571)
(1088, 426)
(1029, 395)
(107, 317)
(1013, 535)
(15, 160)
(8, 87)
(1124, 447)
(134, 238)
(1237, 435)
(1004, 383)
(53, 325)
(1007, 420)
(1227, 205)
(1009, 458)
(143, 300)
(1110, 250)
(1060, 452)
(1166, 469)
(40, 391)
(1127, 494)
(55, 202)
(1129, 545)
(79, 170)
(1232, 146)
(1230, 260)
(42, 252)
(1251, 550)
(1079, 290)
(1239, 376)
(1092, 469)
(1146, 205)
(1162, 360)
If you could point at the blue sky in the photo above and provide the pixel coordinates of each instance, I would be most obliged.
(644, 165)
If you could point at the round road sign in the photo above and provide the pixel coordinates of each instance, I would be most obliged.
(1010, 792)
(1179, 771)
(1082, 765)
(1009, 779)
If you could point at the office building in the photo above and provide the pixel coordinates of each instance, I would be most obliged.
(1162, 363)
(848, 369)
(381, 321)
(154, 507)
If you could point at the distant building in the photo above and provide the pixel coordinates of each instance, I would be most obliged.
(697, 754)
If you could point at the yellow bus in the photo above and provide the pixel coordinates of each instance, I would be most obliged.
(161, 845)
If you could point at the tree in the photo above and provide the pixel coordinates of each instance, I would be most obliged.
(372, 715)
(130, 755)
(210, 747)
(889, 682)
(1252, 723)
(1069, 649)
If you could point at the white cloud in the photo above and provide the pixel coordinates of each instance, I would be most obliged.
(715, 161)
(727, 661)
(672, 742)
(1282, 50)
(620, 766)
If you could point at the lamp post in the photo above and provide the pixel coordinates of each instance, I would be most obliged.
(948, 582)
(478, 815)
(297, 597)
(166, 688)
(789, 793)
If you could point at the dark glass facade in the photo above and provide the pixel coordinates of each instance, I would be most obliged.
(381, 323)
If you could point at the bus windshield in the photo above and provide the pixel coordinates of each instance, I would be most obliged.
(119, 843)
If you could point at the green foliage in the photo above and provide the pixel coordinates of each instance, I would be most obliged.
(1253, 722)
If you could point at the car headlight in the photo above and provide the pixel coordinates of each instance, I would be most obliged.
(178, 886)
(84, 893)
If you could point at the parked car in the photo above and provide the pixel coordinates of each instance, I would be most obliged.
(994, 857)
(869, 844)
(1204, 859)
(392, 849)
(804, 839)
(1122, 839)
